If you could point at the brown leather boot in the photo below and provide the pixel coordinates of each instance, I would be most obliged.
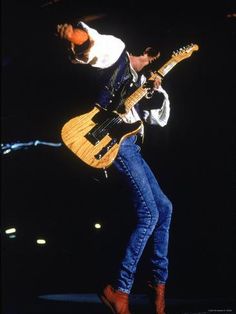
(117, 301)
(158, 297)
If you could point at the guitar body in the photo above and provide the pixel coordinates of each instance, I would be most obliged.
(95, 137)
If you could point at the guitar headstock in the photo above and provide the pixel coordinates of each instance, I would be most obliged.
(184, 52)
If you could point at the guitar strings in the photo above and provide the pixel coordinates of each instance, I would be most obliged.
(105, 124)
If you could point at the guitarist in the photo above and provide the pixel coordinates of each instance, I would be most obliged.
(120, 72)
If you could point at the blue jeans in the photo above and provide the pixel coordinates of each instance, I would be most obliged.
(153, 210)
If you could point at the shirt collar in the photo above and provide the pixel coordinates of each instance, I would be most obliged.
(133, 72)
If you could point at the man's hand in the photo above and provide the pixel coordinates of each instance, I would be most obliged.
(76, 36)
(65, 31)
(157, 83)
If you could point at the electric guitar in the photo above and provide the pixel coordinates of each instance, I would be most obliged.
(95, 137)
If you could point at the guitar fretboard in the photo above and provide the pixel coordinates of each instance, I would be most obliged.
(135, 98)
(167, 67)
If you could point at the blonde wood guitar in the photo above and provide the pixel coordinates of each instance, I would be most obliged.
(95, 137)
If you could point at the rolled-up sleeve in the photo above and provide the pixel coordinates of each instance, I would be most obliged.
(159, 116)
(104, 50)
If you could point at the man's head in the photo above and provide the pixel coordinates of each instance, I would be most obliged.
(152, 54)
(139, 62)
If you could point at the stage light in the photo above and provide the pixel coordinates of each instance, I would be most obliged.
(10, 230)
(41, 241)
(97, 226)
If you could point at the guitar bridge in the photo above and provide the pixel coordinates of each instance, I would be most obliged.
(106, 149)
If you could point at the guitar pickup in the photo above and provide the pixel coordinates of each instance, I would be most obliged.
(95, 139)
(106, 149)
(91, 138)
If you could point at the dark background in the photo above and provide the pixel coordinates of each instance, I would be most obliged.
(47, 192)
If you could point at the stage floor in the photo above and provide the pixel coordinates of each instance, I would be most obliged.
(90, 303)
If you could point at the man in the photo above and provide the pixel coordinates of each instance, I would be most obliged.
(121, 72)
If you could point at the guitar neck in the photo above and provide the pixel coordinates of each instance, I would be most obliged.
(135, 98)
(142, 90)
(166, 68)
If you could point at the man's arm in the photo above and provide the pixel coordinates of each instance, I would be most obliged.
(91, 47)
(159, 116)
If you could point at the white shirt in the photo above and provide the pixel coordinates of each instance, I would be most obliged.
(104, 52)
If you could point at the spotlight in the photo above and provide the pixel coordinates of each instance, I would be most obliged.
(97, 226)
(10, 230)
(41, 241)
